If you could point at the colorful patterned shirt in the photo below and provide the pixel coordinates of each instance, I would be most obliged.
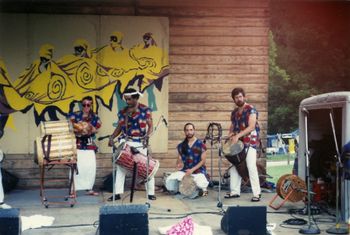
(240, 121)
(85, 142)
(137, 122)
(192, 155)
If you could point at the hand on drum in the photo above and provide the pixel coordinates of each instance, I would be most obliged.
(189, 172)
(234, 139)
(110, 142)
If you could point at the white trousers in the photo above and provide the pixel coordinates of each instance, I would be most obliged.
(121, 172)
(1, 188)
(86, 164)
(236, 179)
(172, 182)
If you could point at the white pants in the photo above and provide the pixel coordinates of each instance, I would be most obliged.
(236, 179)
(172, 182)
(1, 188)
(86, 164)
(121, 172)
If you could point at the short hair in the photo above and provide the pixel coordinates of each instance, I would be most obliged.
(236, 91)
(132, 90)
(187, 124)
(89, 98)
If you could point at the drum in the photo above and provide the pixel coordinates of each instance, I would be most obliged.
(291, 184)
(126, 159)
(234, 152)
(62, 147)
(56, 127)
(188, 187)
(1, 156)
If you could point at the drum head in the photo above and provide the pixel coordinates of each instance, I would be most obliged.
(230, 149)
(188, 187)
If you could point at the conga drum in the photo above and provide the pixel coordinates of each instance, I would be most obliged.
(235, 154)
(188, 187)
(126, 159)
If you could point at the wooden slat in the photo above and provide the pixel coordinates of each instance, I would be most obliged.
(219, 78)
(217, 59)
(205, 3)
(219, 21)
(218, 50)
(223, 69)
(224, 88)
(188, 97)
(204, 11)
(217, 41)
(218, 31)
(228, 106)
(206, 116)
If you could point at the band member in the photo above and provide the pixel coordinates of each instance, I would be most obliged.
(191, 161)
(85, 123)
(244, 126)
(134, 127)
(2, 204)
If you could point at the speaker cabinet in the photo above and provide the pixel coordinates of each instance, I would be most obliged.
(124, 219)
(244, 220)
(10, 222)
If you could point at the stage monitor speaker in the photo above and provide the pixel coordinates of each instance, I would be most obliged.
(10, 222)
(124, 219)
(247, 220)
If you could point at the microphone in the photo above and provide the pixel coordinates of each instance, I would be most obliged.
(305, 110)
(165, 121)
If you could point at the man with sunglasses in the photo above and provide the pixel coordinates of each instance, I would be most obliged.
(86, 123)
(134, 127)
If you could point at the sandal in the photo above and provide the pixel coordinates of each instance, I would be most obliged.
(92, 193)
(229, 195)
(204, 194)
(255, 199)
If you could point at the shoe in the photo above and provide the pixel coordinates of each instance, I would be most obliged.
(204, 193)
(5, 206)
(229, 195)
(255, 199)
(152, 197)
(116, 197)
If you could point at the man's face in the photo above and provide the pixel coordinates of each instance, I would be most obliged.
(87, 105)
(239, 99)
(131, 102)
(189, 131)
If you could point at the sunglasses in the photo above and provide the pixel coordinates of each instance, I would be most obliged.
(114, 39)
(86, 105)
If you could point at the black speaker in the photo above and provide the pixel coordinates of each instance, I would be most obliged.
(124, 219)
(244, 220)
(10, 222)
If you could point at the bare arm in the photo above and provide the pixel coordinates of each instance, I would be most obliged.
(247, 130)
(115, 133)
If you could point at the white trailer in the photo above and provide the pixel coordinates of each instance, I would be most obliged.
(317, 111)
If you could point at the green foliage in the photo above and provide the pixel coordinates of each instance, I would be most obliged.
(308, 55)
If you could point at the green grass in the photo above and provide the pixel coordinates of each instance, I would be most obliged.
(279, 157)
(277, 171)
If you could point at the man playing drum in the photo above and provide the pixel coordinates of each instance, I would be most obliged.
(135, 126)
(245, 127)
(190, 162)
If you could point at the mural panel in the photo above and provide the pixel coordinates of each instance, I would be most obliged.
(50, 62)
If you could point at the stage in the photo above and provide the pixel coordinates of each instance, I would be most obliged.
(85, 213)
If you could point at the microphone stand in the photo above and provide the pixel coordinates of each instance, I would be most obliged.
(219, 205)
(336, 229)
(310, 229)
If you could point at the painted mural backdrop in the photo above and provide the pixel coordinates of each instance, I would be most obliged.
(50, 62)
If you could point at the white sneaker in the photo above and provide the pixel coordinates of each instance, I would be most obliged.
(5, 206)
